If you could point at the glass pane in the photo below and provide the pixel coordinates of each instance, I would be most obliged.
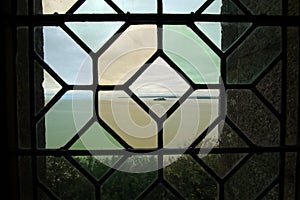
(222, 163)
(273, 194)
(94, 7)
(225, 136)
(252, 117)
(179, 6)
(96, 138)
(214, 31)
(94, 34)
(270, 86)
(191, 119)
(59, 6)
(127, 119)
(290, 174)
(191, 54)
(97, 166)
(137, 6)
(159, 86)
(46, 87)
(63, 179)
(266, 7)
(64, 56)
(293, 6)
(190, 179)
(160, 192)
(65, 119)
(253, 55)
(224, 7)
(121, 182)
(127, 54)
(292, 85)
(256, 174)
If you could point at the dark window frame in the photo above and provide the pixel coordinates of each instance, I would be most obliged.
(31, 20)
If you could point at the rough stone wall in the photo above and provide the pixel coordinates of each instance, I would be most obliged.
(248, 113)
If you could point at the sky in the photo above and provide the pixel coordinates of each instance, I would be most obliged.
(74, 65)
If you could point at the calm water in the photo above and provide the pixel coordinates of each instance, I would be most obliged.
(128, 120)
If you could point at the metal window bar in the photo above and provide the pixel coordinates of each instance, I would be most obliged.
(45, 20)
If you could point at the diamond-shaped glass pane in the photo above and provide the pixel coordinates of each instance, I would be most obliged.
(252, 117)
(254, 55)
(222, 163)
(251, 179)
(222, 137)
(190, 179)
(159, 86)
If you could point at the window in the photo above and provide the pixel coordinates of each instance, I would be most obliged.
(163, 99)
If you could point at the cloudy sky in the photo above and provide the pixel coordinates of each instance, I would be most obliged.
(134, 47)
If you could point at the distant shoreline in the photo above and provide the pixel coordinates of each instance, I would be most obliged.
(156, 97)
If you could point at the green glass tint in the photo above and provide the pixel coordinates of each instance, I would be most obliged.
(252, 117)
(94, 34)
(94, 7)
(63, 179)
(159, 86)
(203, 186)
(264, 7)
(214, 30)
(127, 119)
(179, 6)
(137, 6)
(270, 86)
(191, 119)
(65, 119)
(255, 175)
(96, 138)
(64, 56)
(191, 54)
(59, 6)
(128, 53)
(254, 55)
(222, 163)
(97, 166)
